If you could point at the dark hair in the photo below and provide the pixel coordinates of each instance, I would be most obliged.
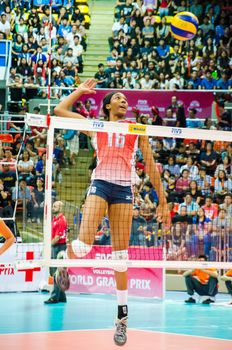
(202, 256)
(106, 101)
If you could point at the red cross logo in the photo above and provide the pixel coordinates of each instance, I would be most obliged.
(29, 272)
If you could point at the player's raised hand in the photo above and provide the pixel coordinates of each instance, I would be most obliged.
(87, 87)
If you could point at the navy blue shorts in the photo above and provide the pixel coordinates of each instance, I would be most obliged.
(112, 193)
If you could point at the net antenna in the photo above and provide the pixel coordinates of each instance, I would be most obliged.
(121, 128)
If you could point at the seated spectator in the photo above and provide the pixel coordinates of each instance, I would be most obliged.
(101, 77)
(194, 191)
(26, 168)
(117, 26)
(225, 165)
(176, 243)
(159, 153)
(222, 228)
(183, 217)
(210, 208)
(177, 82)
(103, 233)
(147, 83)
(181, 156)
(8, 158)
(31, 150)
(182, 183)
(193, 169)
(149, 195)
(163, 29)
(22, 197)
(204, 182)
(201, 236)
(222, 185)
(225, 119)
(195, 80)
(224, 82)
(163, 49)
(169, 144)
(208, 159)
(142, 176)
(192, 206)
(172, 167)
(151, 228)
(202, 281)
(37, 199)
(41, 166)
(227, 204)
(191, 119)
(8, 176)
(137, 237)
(156, 119)
(208, 82)
(148, 31)
(227, 278)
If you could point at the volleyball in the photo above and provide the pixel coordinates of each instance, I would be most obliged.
(184, 26)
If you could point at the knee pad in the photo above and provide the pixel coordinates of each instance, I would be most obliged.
(80, 249)
(120, 255)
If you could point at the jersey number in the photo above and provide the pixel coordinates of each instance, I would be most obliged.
(119, 140)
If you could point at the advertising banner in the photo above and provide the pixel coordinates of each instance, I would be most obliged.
(142, 282)
(22, 280)
(144, 100)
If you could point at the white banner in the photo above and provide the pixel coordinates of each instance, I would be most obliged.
(22, 280)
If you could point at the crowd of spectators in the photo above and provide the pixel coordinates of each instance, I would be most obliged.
(27, 24)
(23, 162)
(197, 178)
(144, 55)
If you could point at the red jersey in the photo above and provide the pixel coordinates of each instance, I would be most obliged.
(59, 228)
(115, 158)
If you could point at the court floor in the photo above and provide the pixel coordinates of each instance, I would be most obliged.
(85, 322)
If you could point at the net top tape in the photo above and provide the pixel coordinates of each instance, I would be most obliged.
(124, 128)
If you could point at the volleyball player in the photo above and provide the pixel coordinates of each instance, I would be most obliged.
(111, 190)
(8, 235)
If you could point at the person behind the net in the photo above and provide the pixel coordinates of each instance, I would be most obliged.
(58, 242)
(111, 190)
(6, 233)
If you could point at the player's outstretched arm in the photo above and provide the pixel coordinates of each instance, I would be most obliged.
(155, 178)
(8, 235)
(63, 109)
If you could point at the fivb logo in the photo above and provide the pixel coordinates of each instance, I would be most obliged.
(98, 124)
(176, 131)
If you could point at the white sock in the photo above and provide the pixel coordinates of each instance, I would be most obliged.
(122, 297)
(80, 248)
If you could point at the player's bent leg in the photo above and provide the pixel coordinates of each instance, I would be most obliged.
(94, 209)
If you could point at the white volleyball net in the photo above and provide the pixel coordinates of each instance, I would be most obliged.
(192, 165)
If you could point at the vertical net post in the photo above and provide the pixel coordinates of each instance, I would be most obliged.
(48, 193)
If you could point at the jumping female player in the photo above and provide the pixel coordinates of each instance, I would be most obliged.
(8, 235)
(110, 190)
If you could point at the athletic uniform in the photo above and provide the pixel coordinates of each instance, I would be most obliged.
(115, 171)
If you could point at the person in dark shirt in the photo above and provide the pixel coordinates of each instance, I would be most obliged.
(225, 118)
(137, 237)
(180, 117)
(156, 119)
(101, 76)
(8, 176)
